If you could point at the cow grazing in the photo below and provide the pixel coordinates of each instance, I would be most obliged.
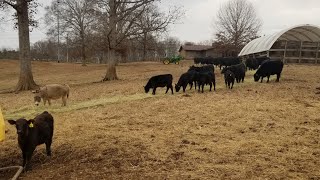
(205, 78)
(268, 68)
(32, 133)
(184, 80)
(229, 78)
(239, 71)
(51, 91)
(164, 80)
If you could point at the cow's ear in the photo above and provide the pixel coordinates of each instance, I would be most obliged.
(12, 122)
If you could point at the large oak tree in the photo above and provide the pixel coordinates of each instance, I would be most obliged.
(24, 9)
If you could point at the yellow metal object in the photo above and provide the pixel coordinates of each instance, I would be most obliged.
(2, 127)
(31, 125)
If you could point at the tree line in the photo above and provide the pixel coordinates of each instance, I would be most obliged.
(112, 31)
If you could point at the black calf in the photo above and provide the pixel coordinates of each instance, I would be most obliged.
(164, 80)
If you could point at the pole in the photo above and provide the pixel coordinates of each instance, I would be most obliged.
(58, 17)
(67, 48)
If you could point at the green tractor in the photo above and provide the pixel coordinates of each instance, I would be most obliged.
(172, 59)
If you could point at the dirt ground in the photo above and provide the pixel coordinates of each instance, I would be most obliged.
(113, 130)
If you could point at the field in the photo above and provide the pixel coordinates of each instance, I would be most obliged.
(113, 130)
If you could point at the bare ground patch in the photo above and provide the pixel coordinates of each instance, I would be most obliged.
(113, 130)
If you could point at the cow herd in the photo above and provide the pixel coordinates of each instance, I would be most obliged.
(39, 130)
(202, 73)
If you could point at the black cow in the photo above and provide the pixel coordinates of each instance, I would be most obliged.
(239, 71)
(205, 78)
(229, 61)
(203, 68)
(267, 68)
(252, 63)
(32, 133)
(260, 60)
(163, 80)
(229, 78)
(184, 80)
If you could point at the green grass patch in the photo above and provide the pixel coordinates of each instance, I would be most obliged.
(31, 111)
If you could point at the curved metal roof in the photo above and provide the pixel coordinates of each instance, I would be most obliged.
(304, 32)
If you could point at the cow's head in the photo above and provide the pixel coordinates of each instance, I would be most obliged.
(22, 126)
(177, 87)
(146, 89)
(37, 97)
(256, 77)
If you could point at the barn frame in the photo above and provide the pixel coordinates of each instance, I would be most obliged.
(297, 44)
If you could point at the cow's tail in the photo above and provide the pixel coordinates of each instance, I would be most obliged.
(68, 89)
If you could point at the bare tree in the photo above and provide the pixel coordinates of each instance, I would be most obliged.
(237, 23)
(23, 12)
(171, 46)
(153, 22)
(119, 17)
(123, 21)
(75, 17)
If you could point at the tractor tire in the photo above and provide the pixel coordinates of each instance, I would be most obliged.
(166, 61)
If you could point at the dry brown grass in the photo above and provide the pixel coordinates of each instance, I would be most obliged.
(113, 130)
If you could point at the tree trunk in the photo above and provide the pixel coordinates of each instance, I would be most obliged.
(83, 49)
(112, 61)
(26, 81)
(111, 70)
(144, 46)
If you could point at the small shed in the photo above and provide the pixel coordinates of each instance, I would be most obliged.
(190, 51)
(297, 44)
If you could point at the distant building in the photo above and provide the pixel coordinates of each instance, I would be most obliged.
(190, 51)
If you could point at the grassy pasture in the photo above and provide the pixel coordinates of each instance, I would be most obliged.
(113, 130)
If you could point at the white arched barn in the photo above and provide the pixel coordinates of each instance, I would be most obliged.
(298, 44)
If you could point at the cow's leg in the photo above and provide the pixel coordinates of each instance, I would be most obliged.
(261, 79)
(202, 87)
(49, 102)
(64, 101)
(199, 87)
(154, 90)
(24, 157)
(232, 84)
(167, 89)
(278, 77)
(184, 88)
(195, 85)
(48, 147)
(28, 159)
(268, 78)
(214, 85)
(210, 86)
(226, 82)
(171, 87)
(191, 84)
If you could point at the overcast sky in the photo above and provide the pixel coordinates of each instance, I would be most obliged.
(196, 25)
